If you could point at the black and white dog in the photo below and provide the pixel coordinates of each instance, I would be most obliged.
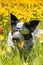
(22, 34)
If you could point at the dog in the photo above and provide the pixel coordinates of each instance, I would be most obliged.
(22, 34)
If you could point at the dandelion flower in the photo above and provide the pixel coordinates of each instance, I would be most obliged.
(20, 44)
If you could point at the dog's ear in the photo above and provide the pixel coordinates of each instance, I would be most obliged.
(32, 25)
(14, 20)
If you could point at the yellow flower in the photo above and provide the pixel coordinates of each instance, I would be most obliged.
(25, 9)
(21, 44)
(2, 37)
(5, 21)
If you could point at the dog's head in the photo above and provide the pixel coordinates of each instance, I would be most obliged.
(21, 30)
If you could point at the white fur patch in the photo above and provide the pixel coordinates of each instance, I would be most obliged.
(10, 42)
(20, 24)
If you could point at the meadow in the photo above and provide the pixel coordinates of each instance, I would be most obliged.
(25, 11)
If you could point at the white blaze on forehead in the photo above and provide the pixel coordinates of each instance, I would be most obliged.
(20, 24)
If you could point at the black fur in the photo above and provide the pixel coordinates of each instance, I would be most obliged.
(14, 20)
(27, 36)
(32, 24)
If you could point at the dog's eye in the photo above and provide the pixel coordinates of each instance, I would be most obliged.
(24, 31)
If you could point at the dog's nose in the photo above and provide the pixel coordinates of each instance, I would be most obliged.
(18, 29)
